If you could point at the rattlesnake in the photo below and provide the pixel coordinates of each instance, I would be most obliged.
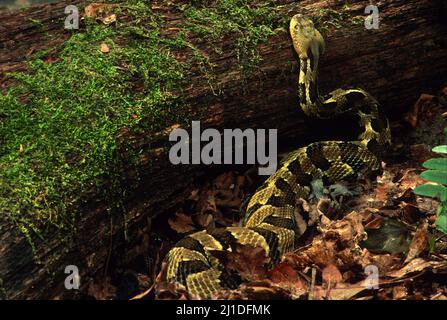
(270, 220)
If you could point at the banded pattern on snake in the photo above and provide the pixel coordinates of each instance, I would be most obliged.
(270, 221)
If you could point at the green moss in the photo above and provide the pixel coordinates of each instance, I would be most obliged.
(328, 18)
(251, 21)
(58, 126)
(38, 24)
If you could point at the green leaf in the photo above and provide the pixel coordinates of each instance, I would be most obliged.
(431, 190)
(435, 176)
(441, 221)
(436, 163)
(440, 149)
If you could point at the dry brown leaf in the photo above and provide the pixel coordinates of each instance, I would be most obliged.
(228, 190)
(104, 48)
(282, 273)
(204, 220)
(385, 262)
(181, 223)
(194, 195)
(345, 291)
(257, 290)
(325, 208)
(409, 180)
(318, 293)
(168, 291)
(399, 292)
(382, 192)
(338, 241)
(412, 117)
(369, 214)
(224, 181)
(416, 265)
(102, 289)
(419, 242)
(247, 261)
(297, 259)
(263, 291)
(172, 291)
(349, 231)
(92, 10)
(286, 276)
(322, 252)
(101, 11)
(109, 19)
(439, 296)
(384, 187)
(375, 223)
(331, 276)
(206, 202)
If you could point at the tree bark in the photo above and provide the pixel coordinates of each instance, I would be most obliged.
(403, 58)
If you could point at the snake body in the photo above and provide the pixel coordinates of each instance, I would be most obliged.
(270, 220)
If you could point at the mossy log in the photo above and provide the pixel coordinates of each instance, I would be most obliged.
(398, 61)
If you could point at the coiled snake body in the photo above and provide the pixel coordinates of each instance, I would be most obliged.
(270, 221)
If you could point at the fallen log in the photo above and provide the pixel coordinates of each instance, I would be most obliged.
(396, 62)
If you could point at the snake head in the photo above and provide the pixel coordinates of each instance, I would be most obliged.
(306, 38)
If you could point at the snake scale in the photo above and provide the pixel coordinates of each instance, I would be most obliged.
(270, 219)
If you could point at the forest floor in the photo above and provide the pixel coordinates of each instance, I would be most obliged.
(53, 138)
(381, 243)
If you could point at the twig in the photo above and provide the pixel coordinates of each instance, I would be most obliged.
(143, 294)
(312, 284)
